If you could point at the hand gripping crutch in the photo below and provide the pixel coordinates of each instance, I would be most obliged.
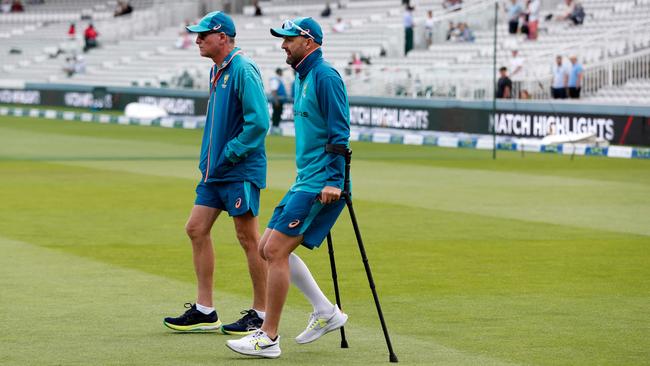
(346, 194)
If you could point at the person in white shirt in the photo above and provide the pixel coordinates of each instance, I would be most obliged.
(428, 28)
(516, 64)
(339, 26)
(5, 7)
(560, 79)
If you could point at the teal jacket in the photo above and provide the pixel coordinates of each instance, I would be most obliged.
(321, 116)
(236, 124)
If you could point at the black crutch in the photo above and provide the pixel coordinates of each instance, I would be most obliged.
(347, 153)
(330, 249)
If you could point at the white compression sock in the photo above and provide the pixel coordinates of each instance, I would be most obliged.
(302, 278)
(204, 309)
(261, 314)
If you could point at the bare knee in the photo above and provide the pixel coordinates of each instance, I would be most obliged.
(274, 253)
(196, 231)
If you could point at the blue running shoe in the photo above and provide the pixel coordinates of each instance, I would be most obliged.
(193, 320)
(248, 324)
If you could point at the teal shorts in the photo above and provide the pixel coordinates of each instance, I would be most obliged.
(300, 213)
(237, 198)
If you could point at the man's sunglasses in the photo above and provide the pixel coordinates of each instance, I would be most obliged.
(289, 25)
(203, 35)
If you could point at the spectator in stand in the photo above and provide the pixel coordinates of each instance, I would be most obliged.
(428, 28)
(574, 12)
(123, 8)
(524, 94)
(72, 31)
(533, 18)
(327, 11)
(68, 66)
(5, 7)
(258, 9)
(464, 33)
(90, 37)
(340, 26)
(184, 40)
(278, 96)
(560, 79)
(185, 80)
(515, 11)
(451, 32)
(575, 78)
(17, 7)
(452, 5)
(504, 85)
(74, 65)
(408, 29)
(356, 64)
(516, 64)
(80, 64)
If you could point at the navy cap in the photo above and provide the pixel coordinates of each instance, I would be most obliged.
(215, 21)
(306, 27)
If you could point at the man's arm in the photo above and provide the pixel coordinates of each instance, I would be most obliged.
(579, 80)
(333, 104)
(256, 116)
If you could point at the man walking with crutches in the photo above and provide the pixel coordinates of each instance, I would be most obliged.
(310, 208)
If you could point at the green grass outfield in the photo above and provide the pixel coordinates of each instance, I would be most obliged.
(521, 261)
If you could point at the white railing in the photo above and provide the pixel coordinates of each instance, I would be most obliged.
(476, 83)
(617, 72)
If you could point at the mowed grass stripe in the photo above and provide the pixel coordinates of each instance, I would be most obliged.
(513, 188)
(586, 203)
(72, 311)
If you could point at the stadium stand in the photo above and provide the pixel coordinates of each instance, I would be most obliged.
(613, 44)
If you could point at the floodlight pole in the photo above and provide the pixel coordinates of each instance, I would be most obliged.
(494, 84)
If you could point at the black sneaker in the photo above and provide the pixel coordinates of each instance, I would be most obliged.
(248, 324)
(193, 320)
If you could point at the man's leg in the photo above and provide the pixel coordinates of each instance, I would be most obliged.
(249, 238)
(275, 248)
(276, 251)
(200, 316)
(302, 278)
(326, 317)
(198, 229)
(277, 114)
(246, 227)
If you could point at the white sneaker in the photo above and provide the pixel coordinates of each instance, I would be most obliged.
(256, 344)
(319, 325)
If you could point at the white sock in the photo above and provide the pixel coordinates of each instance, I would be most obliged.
(302, 278)
(204, 309)
(261, 314)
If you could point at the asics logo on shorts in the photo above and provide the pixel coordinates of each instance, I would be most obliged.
(238, 203)
(294, 223)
